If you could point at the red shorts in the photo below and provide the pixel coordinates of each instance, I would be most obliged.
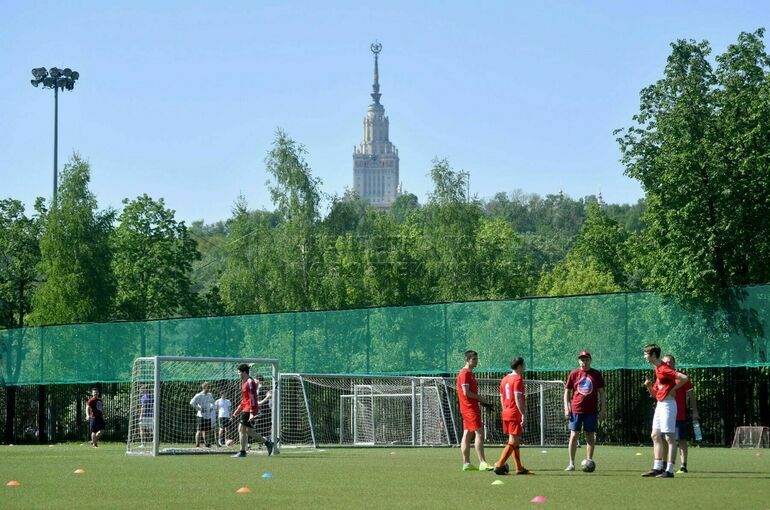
(471, 421)
(513, 427)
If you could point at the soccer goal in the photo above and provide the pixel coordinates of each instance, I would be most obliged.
(340, 410)
(166, 415)
(751, 437)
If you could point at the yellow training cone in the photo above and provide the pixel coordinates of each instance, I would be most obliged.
(498, 482)
(79, 471)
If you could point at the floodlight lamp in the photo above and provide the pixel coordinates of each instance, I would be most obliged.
(34, 83)
(75, 75)
(55, 72)
(48, 82)
(67, 72)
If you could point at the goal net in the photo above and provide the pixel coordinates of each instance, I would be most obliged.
(751, 437)
(172, 413)
(329, 410)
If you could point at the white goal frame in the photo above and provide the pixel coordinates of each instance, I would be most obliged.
(751, 437)
(157, 378)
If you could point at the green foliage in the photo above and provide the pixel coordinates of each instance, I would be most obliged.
(75, 254)
(699, 148)
(19, 256)
(152, 260)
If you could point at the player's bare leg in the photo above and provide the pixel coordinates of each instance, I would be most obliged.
(658, 452)
(572, 447)
(479, 446)
(683, 453)
(590, 444)
(465, 448)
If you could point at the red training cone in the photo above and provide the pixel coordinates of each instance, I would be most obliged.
(538, 499)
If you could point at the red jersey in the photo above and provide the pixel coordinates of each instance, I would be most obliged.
(585, 386)
(509, 387)
(466, 378)
(249, 396)
(666, 379)
(681, 402)
(95, 406)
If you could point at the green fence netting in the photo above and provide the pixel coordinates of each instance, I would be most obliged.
(417, 339)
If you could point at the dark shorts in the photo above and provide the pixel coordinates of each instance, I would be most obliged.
(244, 420)
(96, 424)
(223, 422)
(681, 429)
(203, 424)
(579, 421)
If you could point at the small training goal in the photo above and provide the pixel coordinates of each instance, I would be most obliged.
(171, 413)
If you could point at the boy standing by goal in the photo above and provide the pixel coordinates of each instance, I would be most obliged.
(203, 402)
(468, 395)
(667, 382)
(223, 406)
(95, 407)
(512, 399)
(585, 402)
(248, 410)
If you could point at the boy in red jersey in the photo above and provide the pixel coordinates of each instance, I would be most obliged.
(585, 402)
(668, 381)
(467, 394)
(513, 403)
(685, 394)
(95, 408)
(248, 410)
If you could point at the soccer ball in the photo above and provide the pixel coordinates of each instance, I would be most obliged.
(230, 442)
(588, 466)
(507, 468)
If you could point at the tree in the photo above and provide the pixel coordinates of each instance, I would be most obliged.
(152, 261)
(450, 222)
(19, 256)
(296, 195)
(598, 262)
(699, 148)
(75, 254)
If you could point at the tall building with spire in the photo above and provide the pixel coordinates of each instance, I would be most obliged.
(375, 159)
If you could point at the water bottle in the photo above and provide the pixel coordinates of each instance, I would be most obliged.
(696, 429)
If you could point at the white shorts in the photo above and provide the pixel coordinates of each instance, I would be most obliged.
(665, 416)
(146, 422)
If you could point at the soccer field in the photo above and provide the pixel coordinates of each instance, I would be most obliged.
(372, 478)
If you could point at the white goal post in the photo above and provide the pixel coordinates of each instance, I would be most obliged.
(167, 416)
(320, 410)
(751, 437)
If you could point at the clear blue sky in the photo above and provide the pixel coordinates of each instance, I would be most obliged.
(181, 99)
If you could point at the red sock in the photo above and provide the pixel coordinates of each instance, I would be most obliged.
(506, 453)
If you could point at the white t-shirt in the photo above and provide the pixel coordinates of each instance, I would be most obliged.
(202, 402)
(223, 405)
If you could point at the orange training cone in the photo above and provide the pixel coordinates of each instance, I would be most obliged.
(243, 490)
(79, 471)
(12, 483)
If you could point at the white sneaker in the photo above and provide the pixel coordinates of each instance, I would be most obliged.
(571, 467)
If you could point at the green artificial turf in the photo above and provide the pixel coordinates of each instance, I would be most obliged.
(373, 478)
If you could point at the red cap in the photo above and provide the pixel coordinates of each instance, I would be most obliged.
(584, 354)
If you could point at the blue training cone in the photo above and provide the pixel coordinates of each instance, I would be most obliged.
(267, 475)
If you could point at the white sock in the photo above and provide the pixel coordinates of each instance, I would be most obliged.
(658, 466)
(670, 467)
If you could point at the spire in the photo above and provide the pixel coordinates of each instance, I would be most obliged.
(376, 48)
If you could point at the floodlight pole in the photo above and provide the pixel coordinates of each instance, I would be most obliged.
(55, 141)
(55, 79)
